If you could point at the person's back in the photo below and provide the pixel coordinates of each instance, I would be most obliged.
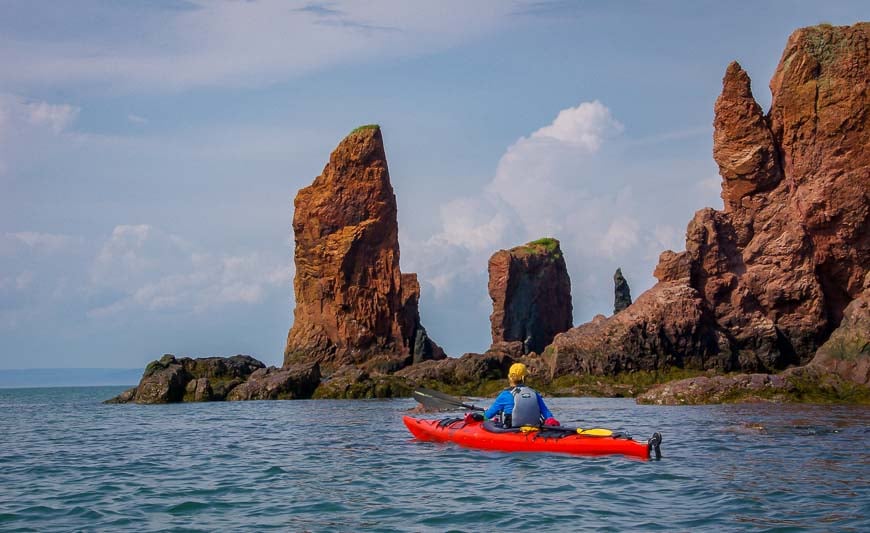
(526, 411)
(520, 405)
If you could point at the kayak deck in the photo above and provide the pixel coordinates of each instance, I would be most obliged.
(474, 435)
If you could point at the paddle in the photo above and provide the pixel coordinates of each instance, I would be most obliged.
(438, 400)
(434, 399)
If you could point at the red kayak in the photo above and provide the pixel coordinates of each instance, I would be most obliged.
(488, 436)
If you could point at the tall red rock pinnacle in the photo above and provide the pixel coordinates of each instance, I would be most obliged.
(765, 281)
(531, 294)
(352, 302)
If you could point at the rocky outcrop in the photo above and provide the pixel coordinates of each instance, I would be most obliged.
(469, 370)
(171, 379)
(531, 294)
(351, 382)
(621, 292)
(847, 352)
(288, 383)
(840, 371)
(352, 302)
(422, 347)
(666, 326)
(763, 283)
(719, 389)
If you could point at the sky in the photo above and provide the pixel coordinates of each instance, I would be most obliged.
(150, 153)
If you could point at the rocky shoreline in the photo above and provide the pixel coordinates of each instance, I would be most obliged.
(768, 302)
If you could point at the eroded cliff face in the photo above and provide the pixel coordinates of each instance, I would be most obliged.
(531, 295)
(352, 302)
(763, 282)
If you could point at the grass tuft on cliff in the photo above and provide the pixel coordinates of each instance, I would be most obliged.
(547, 245)
(365, 127)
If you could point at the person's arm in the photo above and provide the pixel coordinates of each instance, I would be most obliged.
(498, 405)
(545, 413)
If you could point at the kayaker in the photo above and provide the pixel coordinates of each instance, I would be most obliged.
(520, 405)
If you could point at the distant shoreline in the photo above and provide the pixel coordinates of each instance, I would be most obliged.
(68, 377)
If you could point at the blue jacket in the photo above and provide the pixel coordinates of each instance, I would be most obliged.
(505, 402)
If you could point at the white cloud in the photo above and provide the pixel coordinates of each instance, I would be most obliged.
(55, 117)
(242, 43)
(19, 114)
(585, 126)
(620, 237)
(27, 127)
(571, 179)
(136, 119)
(42, 242)
(154, 271)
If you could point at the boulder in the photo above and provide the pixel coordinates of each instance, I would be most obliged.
(288, 383)
(351, 382)
(164, 381)
(469, 370)
(719, 389)
(172, 379)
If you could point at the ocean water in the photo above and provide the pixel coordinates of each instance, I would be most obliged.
(67, 462)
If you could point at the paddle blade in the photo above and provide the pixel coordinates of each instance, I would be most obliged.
(434, 399)
(595, 432)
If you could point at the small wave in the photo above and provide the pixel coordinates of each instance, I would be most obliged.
(188, 507)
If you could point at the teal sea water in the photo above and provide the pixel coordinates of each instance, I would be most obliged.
(68, 462)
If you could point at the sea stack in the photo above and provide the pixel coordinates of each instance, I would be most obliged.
(764, 282)
(352, 302)
(621, 292)
(531, 295)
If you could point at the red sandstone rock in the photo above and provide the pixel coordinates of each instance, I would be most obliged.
(352, 302)
(847, 352)
(531, 294)
(665, 326)
(769, 277)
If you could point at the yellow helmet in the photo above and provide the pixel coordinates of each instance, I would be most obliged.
(517, 372)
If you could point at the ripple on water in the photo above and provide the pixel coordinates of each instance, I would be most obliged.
(71, 463)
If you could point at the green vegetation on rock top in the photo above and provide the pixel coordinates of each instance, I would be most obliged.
(547, 245)
(366, 127)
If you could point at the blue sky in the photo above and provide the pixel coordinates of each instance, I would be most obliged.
(150, 153)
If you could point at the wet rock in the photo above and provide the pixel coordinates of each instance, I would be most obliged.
(172, 379)
(164, 381)
(718, 389)
(469, 370)
(288, 383)
(351, 382)
(125, 397)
